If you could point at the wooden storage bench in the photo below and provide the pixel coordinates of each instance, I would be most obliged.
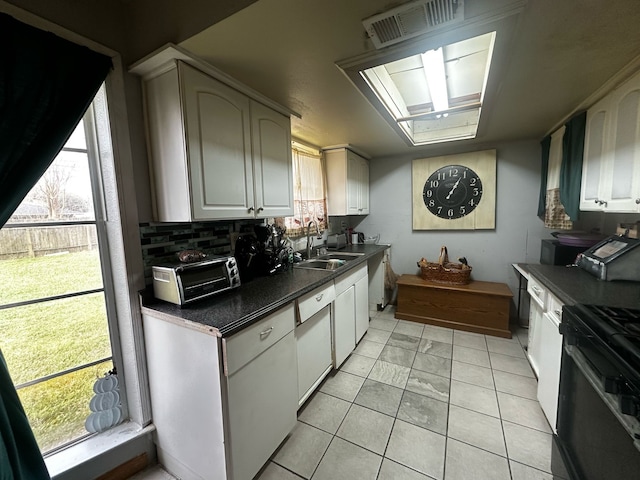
(481, 307)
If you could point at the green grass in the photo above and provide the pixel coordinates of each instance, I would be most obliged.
(44, 338)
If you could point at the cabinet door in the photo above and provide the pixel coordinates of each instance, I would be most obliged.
(353, 183)
(262, 407)
(624, 184)
(272, 164)
(218, 132)
(549, 368)
(534, 346)
(362, 307)
(344, 325)
(595, 154)
(364, 187)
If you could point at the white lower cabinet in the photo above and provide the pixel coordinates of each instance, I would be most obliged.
(549, 368)
(544, 349)
(549, 376)
(362, 307)
(350, 313)
(221, 407)
(537, 305)
(344, 325)
(262, 393)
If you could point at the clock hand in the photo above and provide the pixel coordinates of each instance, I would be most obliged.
(455, 185)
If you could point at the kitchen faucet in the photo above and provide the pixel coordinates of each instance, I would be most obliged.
(309, 236)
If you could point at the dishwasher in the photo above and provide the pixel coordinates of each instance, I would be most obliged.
(313, 339)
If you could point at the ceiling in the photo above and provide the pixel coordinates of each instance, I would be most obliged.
(550, 57)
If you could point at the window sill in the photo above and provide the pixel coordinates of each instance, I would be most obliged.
(93, 447)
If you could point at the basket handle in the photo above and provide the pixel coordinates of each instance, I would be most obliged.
(444, 256)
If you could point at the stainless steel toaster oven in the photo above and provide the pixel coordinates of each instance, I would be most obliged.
(182, 283)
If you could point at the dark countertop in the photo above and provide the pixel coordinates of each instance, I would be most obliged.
(574, 285)
(231, 311)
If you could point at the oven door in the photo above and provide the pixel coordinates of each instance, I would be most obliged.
(596, 441)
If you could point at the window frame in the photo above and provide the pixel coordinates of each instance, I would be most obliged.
(99, 453)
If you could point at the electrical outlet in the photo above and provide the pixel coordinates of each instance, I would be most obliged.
(343, 225)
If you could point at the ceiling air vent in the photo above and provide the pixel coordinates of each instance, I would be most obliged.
(412, 19)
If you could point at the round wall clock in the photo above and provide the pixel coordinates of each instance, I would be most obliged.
(452, 191)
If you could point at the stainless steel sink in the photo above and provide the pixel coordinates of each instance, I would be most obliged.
(321, 264)
(329, 261)
(346, 256)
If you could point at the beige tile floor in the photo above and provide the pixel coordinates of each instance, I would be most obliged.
(421, 402)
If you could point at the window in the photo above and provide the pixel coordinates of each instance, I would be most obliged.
(56, 326)
(309, 192)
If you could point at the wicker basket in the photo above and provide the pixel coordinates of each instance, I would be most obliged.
(444, 271)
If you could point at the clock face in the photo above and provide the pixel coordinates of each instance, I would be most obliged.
(452, 191)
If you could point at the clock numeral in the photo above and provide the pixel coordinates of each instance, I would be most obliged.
(434, 183)
(442, 175)
(450, 212)
(439, 210)
(432, 203)
(473, 181)
(476, 192)
(463, 210)
(429, 193)
(472, 203)
(453, 172)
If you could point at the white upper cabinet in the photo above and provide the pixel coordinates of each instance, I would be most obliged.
(598, 118)
(611, 164)
(347, 182)
(215, 152)
(272, 168)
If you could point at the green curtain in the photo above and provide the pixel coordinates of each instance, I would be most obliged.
(545, 144)
(46, 85)
(571, 167)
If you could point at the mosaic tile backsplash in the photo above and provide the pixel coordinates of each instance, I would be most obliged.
(161, 241)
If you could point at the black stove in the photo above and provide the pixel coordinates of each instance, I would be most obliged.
(599, 401)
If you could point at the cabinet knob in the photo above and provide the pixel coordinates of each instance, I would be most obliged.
(251, 209)
(637, 201)
(260, 209)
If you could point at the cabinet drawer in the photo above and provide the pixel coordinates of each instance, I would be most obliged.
(242, 347)
(537, 291)
(554, 307)
(345, 281)
(314, 301)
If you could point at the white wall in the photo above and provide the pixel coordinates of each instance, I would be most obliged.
(490, 252)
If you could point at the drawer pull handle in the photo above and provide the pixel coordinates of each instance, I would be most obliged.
(536, 290)
(265, 333)
(558, 312)
(319, 297)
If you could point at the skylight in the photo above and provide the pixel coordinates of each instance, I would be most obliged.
(436, 96)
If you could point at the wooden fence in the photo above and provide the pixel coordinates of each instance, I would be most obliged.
(36, 242)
